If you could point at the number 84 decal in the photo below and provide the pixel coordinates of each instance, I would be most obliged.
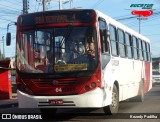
(58, 89)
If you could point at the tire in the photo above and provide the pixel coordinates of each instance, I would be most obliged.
(113, 108)
(141, 97)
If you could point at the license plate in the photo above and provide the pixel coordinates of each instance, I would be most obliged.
(56, 102)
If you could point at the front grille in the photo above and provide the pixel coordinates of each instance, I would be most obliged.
(50, 83)
(70, 89)
(66, 82)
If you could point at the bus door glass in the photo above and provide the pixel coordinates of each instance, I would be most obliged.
(104, 42)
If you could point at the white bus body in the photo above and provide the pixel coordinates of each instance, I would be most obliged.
(129, 75)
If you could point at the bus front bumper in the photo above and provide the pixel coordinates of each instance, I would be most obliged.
(90, 99)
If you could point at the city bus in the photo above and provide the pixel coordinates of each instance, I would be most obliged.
(55, 69)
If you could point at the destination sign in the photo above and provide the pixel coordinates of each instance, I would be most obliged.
(70, 67)
(52, 17)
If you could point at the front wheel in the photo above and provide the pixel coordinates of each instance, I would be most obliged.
(113, 108)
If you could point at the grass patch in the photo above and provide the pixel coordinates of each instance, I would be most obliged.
(13, 72)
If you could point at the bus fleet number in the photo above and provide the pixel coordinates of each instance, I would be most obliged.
(58, 89)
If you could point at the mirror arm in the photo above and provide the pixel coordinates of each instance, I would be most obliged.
(11, 23)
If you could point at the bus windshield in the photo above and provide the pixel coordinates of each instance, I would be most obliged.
(57, 50)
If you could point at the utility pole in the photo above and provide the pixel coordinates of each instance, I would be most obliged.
(70, 3)
(139, 24)
(44, 5)
(60, 4)
(25, 6)
(2, 56)
(3, 46)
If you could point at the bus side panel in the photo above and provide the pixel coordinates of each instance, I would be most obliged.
(113, 75)
(107, 84)
(146, 75)
(121, 71)
(126, 78)
(129, 74)
(138, 75)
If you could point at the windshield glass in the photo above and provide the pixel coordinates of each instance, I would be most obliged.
(58, 50)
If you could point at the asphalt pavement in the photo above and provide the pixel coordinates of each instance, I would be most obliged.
(9, 103)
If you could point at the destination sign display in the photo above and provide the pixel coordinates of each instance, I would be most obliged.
(52, 17)
(70, 67)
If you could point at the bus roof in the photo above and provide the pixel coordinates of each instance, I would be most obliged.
(100, 14)
(121, 26)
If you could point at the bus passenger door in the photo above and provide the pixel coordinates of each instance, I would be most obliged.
(105, 56)
(104, 41)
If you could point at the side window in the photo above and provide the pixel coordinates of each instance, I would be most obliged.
(104, 42)
(148, 52)
(114, 46)
(140, 49)
(144, 51)
(128, 45)
(135, 47)
(103, 36)
(122, 46)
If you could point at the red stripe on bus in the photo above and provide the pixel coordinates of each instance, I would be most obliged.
(147, 75)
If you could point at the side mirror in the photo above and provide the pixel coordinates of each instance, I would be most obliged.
(8, 39)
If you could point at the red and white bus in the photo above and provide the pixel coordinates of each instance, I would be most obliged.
(55, 69)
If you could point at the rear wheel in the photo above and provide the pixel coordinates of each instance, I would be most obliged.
(113, 108)
(139, 98)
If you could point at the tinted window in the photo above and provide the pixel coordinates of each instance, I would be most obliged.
(121, 41)
(144, 51)
(103, 36)
(128, 44)
(148, 52)
(113, 40)
(140, 49)
(135, 49)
